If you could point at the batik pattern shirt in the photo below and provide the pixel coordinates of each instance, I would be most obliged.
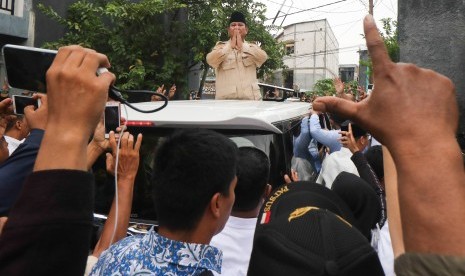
(152, 254)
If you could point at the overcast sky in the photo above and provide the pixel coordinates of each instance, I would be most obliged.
(344, 16)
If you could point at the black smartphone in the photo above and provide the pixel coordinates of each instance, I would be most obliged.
(20, 102)
(112, 117)
(26, 67)
(345, 127)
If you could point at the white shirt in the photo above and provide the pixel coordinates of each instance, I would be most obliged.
(381, 242)
(334, 164)
(235, 241)
(12, 143)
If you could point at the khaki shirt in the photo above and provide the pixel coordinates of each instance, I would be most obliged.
(236, 71)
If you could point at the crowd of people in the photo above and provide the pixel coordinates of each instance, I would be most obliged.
(370, 196)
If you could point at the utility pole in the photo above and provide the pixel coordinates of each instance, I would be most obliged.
(370, 8)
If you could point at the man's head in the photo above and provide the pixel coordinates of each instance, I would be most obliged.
(310, 228)
(336, 120)
(253, 170)
(17, 127)
(237, 22)
(194, 177)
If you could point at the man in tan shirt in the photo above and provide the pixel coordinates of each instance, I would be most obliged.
(236, 62)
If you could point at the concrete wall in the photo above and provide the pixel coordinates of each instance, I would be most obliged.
(432, 35)
(315, 52)
(46, 29)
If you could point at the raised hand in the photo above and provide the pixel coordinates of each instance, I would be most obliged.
(239, 41)
(400, 106)
(37, 119)
(410, 110)
(347, 140)
(76, 100)
(128, 156)
(339, 85)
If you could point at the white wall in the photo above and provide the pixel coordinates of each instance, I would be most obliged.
(315, 52)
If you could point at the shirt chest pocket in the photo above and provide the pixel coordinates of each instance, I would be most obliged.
(247, 60)
(229, 63)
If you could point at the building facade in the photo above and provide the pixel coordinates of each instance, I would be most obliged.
(311, 54)
(348, 72)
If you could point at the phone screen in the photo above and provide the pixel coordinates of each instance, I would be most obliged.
(112, 118)
(20, 102)
(26, 67)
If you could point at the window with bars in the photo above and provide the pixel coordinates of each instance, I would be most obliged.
(8, 6)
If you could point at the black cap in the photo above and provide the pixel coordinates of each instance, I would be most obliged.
(237, 17)
(298, 234)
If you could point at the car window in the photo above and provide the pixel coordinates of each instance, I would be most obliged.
(278, 147)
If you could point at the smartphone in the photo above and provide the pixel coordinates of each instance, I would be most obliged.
(20, 102)
(26, 67)
(112, 117)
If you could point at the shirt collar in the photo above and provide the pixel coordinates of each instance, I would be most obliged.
(183, 253)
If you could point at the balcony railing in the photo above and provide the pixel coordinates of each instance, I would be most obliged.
(8, 5)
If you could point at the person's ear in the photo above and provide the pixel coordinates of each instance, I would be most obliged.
(215, 204)
(18, 124)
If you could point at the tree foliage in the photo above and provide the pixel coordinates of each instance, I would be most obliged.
(130, 34)
(154, 42)
(324, 87)
(390, 37)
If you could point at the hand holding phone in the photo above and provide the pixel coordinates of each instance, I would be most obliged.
(20, 102)
(112, 117)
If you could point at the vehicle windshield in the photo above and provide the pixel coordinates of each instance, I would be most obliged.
(142, 209)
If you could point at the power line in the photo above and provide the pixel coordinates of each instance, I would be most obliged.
(389, 8)
(309, 9)
(287, 6)
(342, 11)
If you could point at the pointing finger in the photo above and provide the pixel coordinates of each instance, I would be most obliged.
(375, 44)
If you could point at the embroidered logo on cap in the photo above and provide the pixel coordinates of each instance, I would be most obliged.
(300, 212)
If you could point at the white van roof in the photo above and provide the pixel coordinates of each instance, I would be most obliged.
(216, 114)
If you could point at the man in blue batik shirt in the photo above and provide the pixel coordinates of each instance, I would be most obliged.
(194, 181)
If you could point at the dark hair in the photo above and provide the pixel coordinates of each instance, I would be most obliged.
(357, 131)
(336, 118)
(374, 156)
(190, 167)
(13, 121)
(253, 171)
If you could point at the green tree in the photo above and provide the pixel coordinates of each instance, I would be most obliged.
(324, 87)
(351, 87)
(390, 37)
(131, 34)
(147, 41)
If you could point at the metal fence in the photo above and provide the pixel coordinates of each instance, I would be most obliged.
(8, 5)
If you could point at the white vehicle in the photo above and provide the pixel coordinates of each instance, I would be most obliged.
(266, 124)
